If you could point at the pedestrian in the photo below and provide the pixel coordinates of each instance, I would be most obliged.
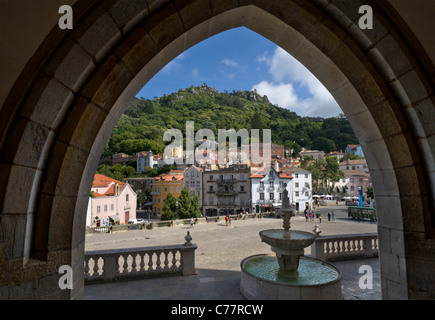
(320, 218)
(333, 215)
(329, 216)
(191, 222)
(227, 220)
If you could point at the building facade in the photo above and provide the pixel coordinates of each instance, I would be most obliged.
(267, 187)
(355, 149)
(161, 187)
(358, 179)
(111, 202)
(226, 190)
(145, 159)
(193, 181)
(354, 165)
(303, 191)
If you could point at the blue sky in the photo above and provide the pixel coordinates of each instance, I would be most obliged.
(240, 59)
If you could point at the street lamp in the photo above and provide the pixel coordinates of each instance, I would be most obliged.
(176, 211)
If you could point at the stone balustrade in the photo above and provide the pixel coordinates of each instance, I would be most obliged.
(145, 262)
(343, 247)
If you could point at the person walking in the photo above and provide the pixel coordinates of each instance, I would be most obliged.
(333, 215)
(320, 218)
(329, 216)
(191, 222)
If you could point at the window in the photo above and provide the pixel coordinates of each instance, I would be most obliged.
(198, 184)
(306, 175)
(210, 188)
(271, 196)
(242, 188)
(105, 208)
(297, 193)
(210, 177)
(98, 209)
(171, 189)
(280, 196)
(296, 184)
(261, 184)
(192, 174)
(242, 176)
(112, 207)
(307, 185)
(351, 180)
(306, 193)
(166, 189)
(178, 189)
(261, 196)
(352, 188)
(296, 175)
(360, 180)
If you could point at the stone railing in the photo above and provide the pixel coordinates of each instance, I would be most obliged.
(343, 247)
(146, 262)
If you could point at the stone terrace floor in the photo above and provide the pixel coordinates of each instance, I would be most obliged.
(220, 251)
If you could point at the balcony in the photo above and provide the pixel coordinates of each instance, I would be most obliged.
(226, 181)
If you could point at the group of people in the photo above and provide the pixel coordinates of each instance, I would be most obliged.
(309, 215)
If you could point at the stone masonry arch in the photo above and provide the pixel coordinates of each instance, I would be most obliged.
(61, 110)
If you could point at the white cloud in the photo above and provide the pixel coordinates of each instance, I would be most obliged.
(310, 98)
(229, 63)
(195, 72)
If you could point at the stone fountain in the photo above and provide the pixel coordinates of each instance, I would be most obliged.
(289, 275)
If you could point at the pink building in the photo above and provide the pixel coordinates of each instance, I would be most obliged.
(113, 202)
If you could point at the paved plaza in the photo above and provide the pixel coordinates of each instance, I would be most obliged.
(220, 251)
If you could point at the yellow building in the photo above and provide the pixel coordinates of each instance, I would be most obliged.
(162, 186)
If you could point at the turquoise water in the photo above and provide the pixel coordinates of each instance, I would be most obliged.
(310, 272)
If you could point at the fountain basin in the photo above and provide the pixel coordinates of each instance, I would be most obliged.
(262, 279)
(291, 241)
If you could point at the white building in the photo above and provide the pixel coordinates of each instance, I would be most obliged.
(303, 195)
(145, 159)
(267, 187)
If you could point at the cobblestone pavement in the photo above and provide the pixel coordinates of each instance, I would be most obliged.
(220, 251)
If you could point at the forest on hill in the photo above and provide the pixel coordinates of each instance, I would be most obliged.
(143, 124)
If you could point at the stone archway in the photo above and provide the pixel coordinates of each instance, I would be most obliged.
(61, 111)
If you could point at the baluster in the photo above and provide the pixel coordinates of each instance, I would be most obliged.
(158, 262)
(348, 245)
(166, 260)
(353, 245)
(150, 262)
(133, 263)
(142, 262)
(95, 268)
(332, 246)
(125, 265)
(338, 250)
(174, 260)
(86, 267)
(327, 248)
(358, 246)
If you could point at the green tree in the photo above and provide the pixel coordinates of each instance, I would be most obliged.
(332, 173)
(317, 175)
(187, 206)
(324, 144)
(169, 208)
(369, 192)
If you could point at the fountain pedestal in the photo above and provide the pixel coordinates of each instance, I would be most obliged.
(289, 275)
